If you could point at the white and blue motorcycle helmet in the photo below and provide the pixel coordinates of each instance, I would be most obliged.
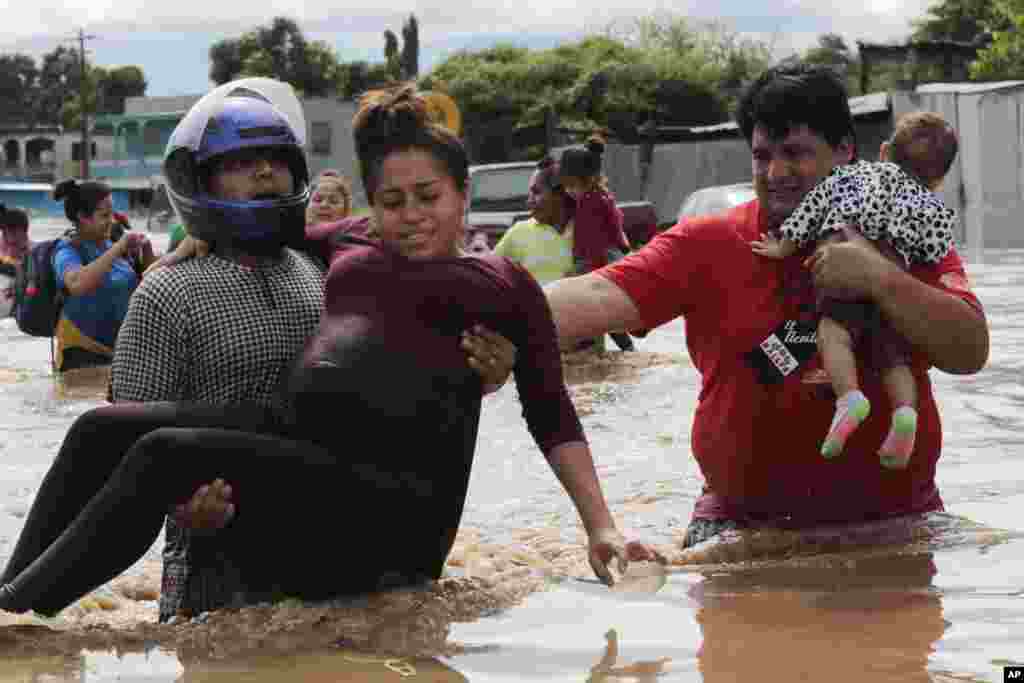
(243, 114)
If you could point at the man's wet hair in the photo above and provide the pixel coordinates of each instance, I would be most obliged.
(792, 95)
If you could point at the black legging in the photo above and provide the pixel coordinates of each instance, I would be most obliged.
(385, 501)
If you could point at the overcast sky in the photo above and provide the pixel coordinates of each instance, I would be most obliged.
(169, 39)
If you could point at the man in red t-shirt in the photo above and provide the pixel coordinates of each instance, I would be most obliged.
(765, 403)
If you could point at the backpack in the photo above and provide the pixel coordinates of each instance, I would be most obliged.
(37, 299)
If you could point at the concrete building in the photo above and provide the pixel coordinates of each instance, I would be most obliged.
(33, 158)
(33, 152)
(131, 145)
(330, 144)
(986, 183)
(665, 174)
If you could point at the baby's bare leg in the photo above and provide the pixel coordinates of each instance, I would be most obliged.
(835, 344)
(900, 386)
(892, 352)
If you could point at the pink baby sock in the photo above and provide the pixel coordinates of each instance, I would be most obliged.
(899, 444)
(852, 408)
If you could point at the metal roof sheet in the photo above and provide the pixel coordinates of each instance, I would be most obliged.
(968, 88)
(872, 103)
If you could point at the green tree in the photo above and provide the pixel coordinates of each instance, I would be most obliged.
(105, 92)
(832, 51)
(391, 54)
(117, 85)
(599, 81)
(355, 78)
(51, 93)
(410, 58)
(278, 50)
(352, 78)
(18, 88)
(226, 61)
(1004, 58)
(59, 77)
(961, 20)
(71, 109)
(707, 54)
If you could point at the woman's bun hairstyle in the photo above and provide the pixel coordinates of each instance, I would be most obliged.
(65, 189)
(550, 173)
(395, 119)
(385, 115)
(595, 144)
(80, 198)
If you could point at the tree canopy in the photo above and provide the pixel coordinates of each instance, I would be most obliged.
(410, 59)
(1004, 57)
(965, 21)
(105, 93)
(19, 81)
(50, 92)
(661, 68)
(278, 50)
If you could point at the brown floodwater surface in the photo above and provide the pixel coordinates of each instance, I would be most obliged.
(935, 598)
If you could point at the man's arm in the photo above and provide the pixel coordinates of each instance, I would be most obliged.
(590, 305)
(951, 332)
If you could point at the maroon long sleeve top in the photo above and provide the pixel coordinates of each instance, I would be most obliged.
(598, 228)
(447, 296)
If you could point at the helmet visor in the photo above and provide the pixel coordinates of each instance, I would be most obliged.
(280, 95)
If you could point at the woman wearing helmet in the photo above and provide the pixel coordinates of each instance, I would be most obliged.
(220, 329)
(353, 465)
(213, 331)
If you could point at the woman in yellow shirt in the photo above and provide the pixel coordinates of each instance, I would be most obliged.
(543, 243)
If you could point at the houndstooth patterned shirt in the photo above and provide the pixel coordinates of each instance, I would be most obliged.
(885, 202)
(212, 331)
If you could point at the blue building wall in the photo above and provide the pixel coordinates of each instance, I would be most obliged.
(128, 169)
(38, 198)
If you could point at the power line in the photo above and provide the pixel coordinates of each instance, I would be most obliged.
(83, 113)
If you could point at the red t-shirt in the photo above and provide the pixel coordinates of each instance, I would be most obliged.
(434, 301)
(597, 227)
(757, 432)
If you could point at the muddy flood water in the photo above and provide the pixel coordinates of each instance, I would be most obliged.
(938, 600)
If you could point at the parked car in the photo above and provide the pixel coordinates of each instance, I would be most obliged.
(716, 199)
(497, 200)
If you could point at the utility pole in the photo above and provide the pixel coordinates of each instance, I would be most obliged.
(82, 100)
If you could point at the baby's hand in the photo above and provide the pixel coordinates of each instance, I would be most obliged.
(770, 246)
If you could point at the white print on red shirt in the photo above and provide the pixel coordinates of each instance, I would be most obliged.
(779, 355)
(794, 336)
